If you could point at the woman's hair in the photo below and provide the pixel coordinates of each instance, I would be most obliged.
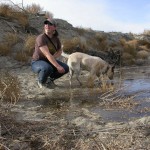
(56, 33)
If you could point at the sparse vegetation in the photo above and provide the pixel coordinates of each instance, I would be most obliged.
(4, 49)
(21, 56)
(33, 8)
(11, 38)
(73, 44)
(9, 88)
(143, 54)
(29, 44)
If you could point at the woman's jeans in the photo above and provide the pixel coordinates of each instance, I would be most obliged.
(46, 69)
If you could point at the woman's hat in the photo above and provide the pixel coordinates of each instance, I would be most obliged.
(50, 22)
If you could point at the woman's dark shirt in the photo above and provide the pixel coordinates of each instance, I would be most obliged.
(43, 40)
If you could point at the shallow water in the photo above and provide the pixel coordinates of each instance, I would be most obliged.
(69, 103)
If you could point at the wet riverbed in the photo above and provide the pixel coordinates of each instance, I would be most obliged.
(67, 103)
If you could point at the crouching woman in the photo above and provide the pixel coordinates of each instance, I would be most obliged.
(47, 50)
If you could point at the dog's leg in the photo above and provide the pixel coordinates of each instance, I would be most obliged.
(70, 76)
(77, 77)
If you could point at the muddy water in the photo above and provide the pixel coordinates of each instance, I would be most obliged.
(69, 103)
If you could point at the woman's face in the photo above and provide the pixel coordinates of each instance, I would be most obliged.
(49, 28)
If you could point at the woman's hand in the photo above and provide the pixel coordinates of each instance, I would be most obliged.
(60, 69)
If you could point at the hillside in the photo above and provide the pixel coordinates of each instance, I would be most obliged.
(133, 49)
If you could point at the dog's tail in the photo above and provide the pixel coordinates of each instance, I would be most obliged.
(64, 54)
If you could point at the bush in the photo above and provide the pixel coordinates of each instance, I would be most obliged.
(9, 88)
(29, 44)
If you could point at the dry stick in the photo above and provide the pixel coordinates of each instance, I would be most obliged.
(4, 146)
(99, 147)
(13, 28)
(18, 6)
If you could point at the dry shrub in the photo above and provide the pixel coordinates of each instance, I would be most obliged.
(127, 58)
(144, 47)
(5, 10)
(122, 42)
(132, 43)
(11, 38)
(102, 43)
(129, 46)
(142, 54)
(99, 42)
(49, 14)
(81, 30)
(22, 18)
(9, 88)
(4, 49)
(100, 37)
(71, 45)
(33, 8)
(146, 32)
(21, 56)
(14, 13)
(29, 44)
(144, 44)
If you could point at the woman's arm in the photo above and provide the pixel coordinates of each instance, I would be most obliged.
(45, 51)
(57, 54)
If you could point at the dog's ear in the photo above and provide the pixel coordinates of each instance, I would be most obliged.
(113, 67)
(106, 68)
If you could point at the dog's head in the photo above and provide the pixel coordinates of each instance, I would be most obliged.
(110, 71)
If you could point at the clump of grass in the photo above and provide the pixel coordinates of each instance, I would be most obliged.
(11, 12)
(129, 46)
(127, 59)
(81, 30)
(21, 56)
(100, 42)
(33, 8)
(9, 88)
(146, 32)
(5, 10)
(71, 45)
(113, 99)
(22, 18)
(29, 44)
(4, 49)
(105, 85)
(11, 38)
(143, 54)
(129, 51)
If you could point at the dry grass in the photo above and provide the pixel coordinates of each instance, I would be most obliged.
(146, 32)
(11, 38)
(6, 10)
(81, 31)
(11, 12)
(22, 18)
(5, 49)
(33, 8)
(29, 44)
(143, 54)
(71, 45)
(9, 88)
(101, 42)
(66, 136)
(21, 56)
(113, 99)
